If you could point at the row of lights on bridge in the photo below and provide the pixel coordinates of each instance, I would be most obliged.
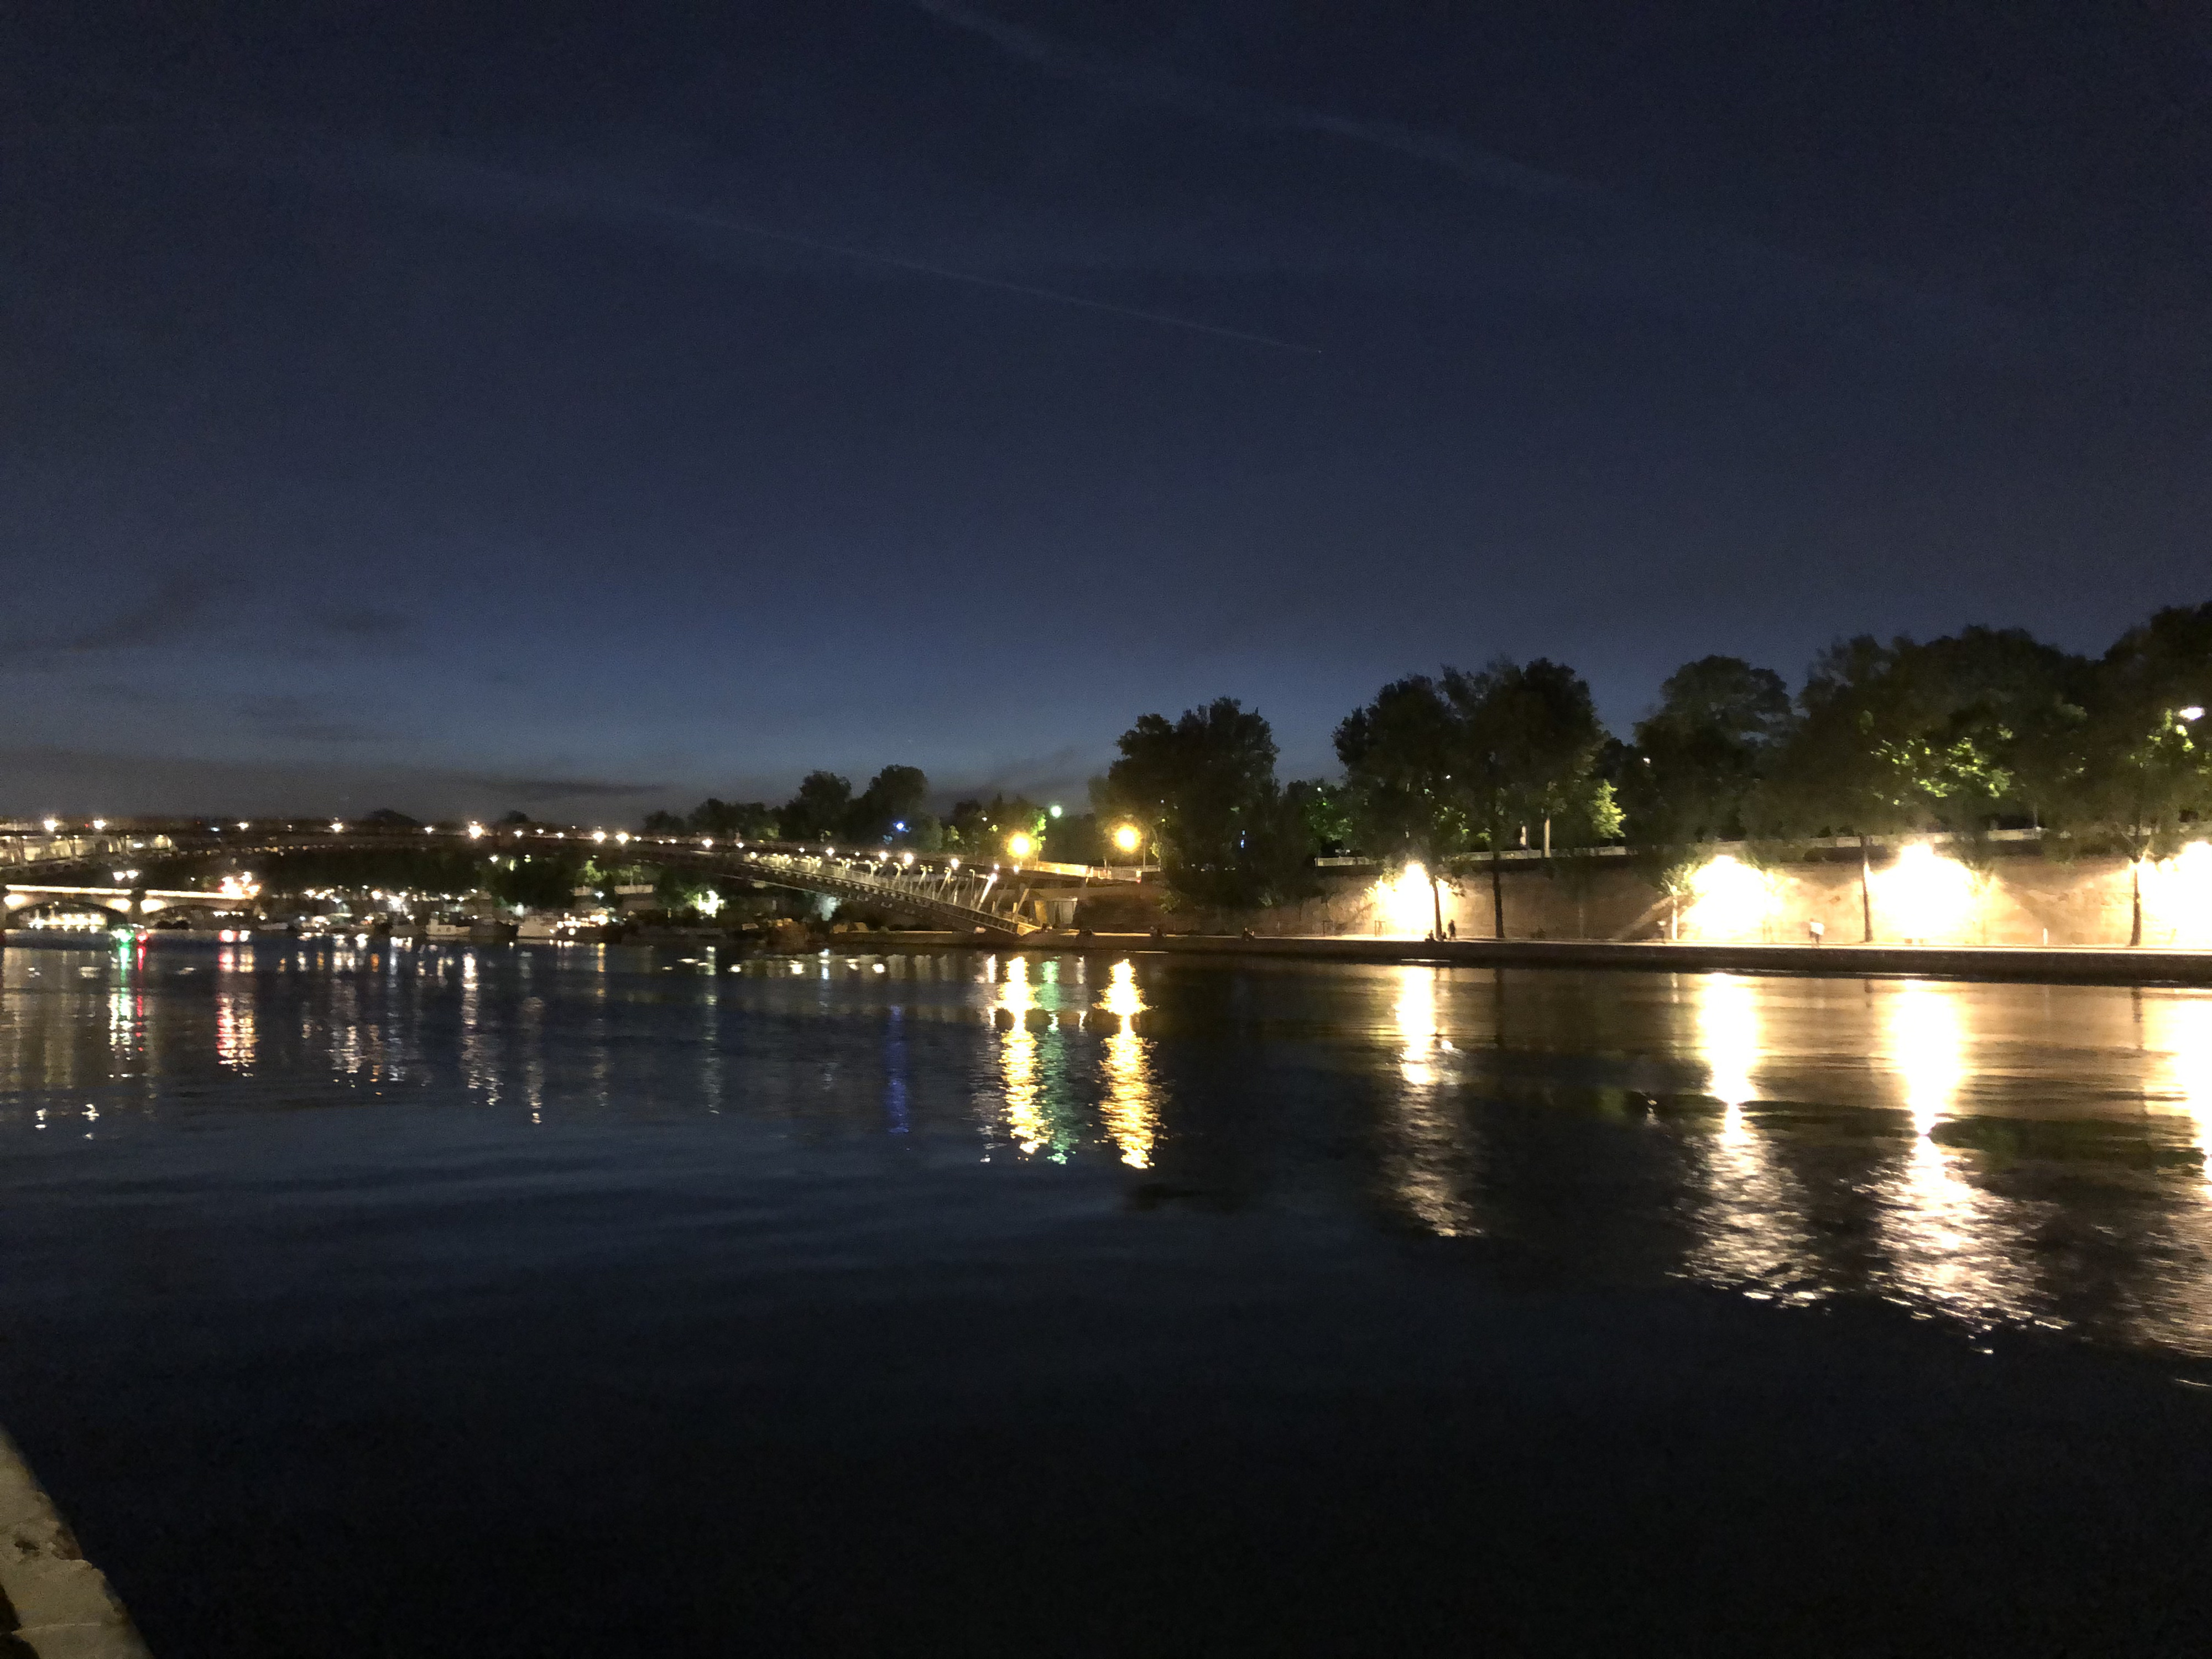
(1127, 838)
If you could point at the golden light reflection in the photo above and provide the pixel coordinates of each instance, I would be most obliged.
(1927, 1048)
(1130, 1116)
(479, 1065)
(1018, 1058)
(2178, 1029)
(1949, 1241)
(1751, 1227)
(1729, 1038)
(234, 1029)
(1427, 1167)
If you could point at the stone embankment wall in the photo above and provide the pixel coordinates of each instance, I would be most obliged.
(2024, 898)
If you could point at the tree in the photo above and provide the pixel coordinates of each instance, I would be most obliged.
(1900, 738)
(536, 881)
(818, 811)
(2144, 767)
(1529, 744)
(1205, 785)
(1075, 838)
(1324, 811)
(1399, 754)
(663, 823)
(741, 820)
(982, 830)
(1700, 753)
(886, 810)
(1990, 704)
(1849, 767)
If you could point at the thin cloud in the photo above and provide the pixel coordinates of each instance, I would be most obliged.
(1157, 86)
(1671, 250)
(470, 183)
(545, 789)
(180, 605)
(363, 623)
(298, 720)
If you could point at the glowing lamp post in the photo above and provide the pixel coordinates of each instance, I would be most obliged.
(1020, 845)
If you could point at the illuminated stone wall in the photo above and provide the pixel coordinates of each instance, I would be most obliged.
(1921, 895)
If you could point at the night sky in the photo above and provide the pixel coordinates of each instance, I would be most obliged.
(590, 408)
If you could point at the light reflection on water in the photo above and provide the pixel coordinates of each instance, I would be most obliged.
(1989, 1154)
(1128, 1108)
(1751, 1231)
(1429, 1160)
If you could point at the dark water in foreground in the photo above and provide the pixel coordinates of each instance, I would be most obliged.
(416, 1299)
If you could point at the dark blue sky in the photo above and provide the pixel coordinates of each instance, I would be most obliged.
(593, 407)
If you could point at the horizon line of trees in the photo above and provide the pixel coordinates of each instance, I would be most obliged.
(1983, 729)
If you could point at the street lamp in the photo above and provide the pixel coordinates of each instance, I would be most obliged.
(1128, 838)
(2194, 711)
(1019, 846)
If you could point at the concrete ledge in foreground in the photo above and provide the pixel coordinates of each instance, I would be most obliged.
(62, 1606)
(2085, 965)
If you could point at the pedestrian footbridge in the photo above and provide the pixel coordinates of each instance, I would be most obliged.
(938, 890)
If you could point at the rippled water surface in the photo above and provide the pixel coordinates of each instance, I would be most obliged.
(1993, 1155)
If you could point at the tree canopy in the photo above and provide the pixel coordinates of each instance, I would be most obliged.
(1204, 787)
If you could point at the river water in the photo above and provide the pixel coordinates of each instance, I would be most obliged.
(434, 1291)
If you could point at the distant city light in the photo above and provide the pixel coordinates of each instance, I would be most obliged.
(599, 834)
(337, 826)
(900, 825)
(476, 830)
(101, 824)
(52, 824)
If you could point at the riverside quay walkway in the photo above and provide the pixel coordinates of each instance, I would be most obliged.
(2062, 965)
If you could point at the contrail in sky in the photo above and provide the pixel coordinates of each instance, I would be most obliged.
(714, 221)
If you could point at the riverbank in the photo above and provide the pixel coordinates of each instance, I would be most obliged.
(52, 1601)
(2060, 965)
